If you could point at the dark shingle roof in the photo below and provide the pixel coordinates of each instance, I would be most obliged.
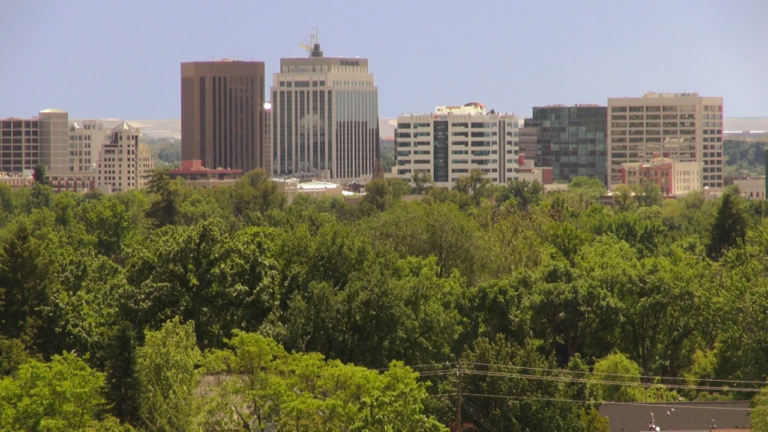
(687, 416)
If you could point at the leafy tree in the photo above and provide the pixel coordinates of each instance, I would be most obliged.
(730, 227)
(648, 194)
(526, 194)
(12, 355)
(759, 414)
(623, 198)
(39, 174)
(421, 179)
(256, 193)
(476, 185)
(164, 209)
(166, 367)
(618, 368)
(265, 386)
(592, 421)
(64, 394)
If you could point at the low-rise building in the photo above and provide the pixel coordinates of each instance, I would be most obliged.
(530, 173)
(292, 187)
(198, 176)
(673, 177)
(751, 188)
(17, 180)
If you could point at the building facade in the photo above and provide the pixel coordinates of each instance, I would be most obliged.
(673, 177)
(455, 140)
(571, 140)
(679, 126)
(124, 163)
(222, 114)
(325, 118)
(25, 143)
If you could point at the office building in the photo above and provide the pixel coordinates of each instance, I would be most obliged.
(25, 143)
(571, 140)
(124, 163)
(325, 117)
(222, 105)
(455, 140)
(679, 126)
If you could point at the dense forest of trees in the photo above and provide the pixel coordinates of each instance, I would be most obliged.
(175, 309)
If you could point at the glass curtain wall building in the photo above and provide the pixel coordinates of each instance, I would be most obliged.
(571, 140)
(325, 118)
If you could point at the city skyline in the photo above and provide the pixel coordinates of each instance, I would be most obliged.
(428, 54)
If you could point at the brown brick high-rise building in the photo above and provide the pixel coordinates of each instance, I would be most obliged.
(222, 117)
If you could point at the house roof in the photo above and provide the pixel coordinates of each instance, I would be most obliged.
(678, 416)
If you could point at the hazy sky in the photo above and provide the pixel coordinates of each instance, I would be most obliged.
(111, 58)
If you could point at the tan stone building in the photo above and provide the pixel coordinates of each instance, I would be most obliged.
(124, 163)
(222, 114)
(674, 178)
(680, 126)
(325, 118)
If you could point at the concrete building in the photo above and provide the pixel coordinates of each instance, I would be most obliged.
(751, 188)
(455, 140)
(267, 122)
(673, 177)
(325, 117)
(679, 126)
(529, 172)
(222, 113)
(24, 143)
(17, 180)
(198, 176)
(571, 140)
(124, 163)
(293, 187)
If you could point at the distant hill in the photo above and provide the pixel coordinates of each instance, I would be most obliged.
(171, 128)
(746, 124)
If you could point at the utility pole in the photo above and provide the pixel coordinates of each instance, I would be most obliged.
(458, 403)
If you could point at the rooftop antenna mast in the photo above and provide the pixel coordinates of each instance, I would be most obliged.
(314, 45)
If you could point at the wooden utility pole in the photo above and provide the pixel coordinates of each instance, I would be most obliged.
(458, 403)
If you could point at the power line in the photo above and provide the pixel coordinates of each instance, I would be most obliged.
(592, 381)
(679, 405)
(580, 372)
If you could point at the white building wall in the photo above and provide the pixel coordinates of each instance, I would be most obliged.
(476, 141)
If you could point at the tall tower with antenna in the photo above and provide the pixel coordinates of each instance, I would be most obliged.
(325, 117)
(314, 44)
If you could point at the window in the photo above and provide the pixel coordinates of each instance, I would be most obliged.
(459, 161)
(480, 125)
(619, 109)
(418, 125)
(420, 134)
(403, 125)
(403, 134)
(463, 125)
(636, 109)
(461, 134)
